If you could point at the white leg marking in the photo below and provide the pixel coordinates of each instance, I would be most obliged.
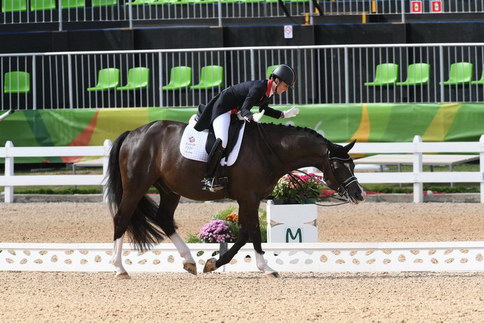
(117, 256)
(262, 264)
(182, 248)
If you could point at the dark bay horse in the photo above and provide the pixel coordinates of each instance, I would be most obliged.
(150, 156)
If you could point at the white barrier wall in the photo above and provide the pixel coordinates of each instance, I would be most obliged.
(454, 256)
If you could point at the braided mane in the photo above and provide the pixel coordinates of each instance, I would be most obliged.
(309, 131)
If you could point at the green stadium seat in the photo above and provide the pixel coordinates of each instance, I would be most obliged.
(108, 79)
(270, 69)
(14, 5)
(180, 78)
(42, 5)
(102, 3)
(386, 74)
(460, 73)
(164, 2)
(138, 78)
(16, 82)
(141, 2)
(70, 4)
(210, 76)
(172, 2)
(202, 1)
(417, 74)
(481, 80)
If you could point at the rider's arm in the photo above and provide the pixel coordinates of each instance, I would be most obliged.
(250, 100)
(271, 112)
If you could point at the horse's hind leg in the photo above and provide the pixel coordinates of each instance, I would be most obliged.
(168, 203)
(127, 207)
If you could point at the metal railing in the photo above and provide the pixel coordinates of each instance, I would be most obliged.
(325, 74)
(62, 12)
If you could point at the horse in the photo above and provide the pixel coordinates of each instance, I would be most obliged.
(149, 156)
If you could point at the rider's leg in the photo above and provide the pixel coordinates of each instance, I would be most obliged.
(221, 127)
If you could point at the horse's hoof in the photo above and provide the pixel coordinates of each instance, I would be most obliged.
(273, 274)
(190, 267)
(210, 265)
(122, 276)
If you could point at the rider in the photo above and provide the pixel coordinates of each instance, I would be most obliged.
(238, 100)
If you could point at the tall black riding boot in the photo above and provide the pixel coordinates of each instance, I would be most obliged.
(209, 182)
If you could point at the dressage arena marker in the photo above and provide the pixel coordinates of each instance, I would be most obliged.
(302, 257)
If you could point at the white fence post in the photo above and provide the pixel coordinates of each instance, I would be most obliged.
(8, 171)
(417, 170)
(107, 149)
(481, 165)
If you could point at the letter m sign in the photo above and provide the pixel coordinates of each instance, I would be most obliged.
(293, 234)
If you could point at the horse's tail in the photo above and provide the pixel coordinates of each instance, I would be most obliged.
(142, 227)
(114, 186)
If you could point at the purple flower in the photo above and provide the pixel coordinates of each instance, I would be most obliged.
(215, 231)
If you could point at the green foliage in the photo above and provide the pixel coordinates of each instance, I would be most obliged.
(395, 188)
(297, 189)
(222, 215)
(193, 238)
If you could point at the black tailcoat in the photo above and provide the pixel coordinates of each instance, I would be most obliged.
(241, 97)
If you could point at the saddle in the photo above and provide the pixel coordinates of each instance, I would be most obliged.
(196, 145)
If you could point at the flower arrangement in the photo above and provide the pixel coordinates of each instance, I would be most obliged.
(224, 227)
(215, 231)
(298, 189)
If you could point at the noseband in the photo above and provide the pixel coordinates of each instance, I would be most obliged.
(343, 186)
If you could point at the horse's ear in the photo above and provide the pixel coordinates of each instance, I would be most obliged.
(350, 145)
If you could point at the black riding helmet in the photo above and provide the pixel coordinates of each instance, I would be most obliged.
(285, 73)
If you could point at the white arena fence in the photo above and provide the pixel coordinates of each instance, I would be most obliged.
(329, 74)
(10, 180)
(284, 257)
(217, 12)
(418, 177)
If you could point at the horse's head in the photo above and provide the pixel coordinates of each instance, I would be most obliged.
(339, 174)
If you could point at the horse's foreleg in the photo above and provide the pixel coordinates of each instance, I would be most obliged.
(213, 264)
(118, 261)
(259, 254)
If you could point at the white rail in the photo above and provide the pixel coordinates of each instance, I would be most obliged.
(418, 177)
(10, 180)
(451, 256)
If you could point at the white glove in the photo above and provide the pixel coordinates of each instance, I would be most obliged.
(258, 116)
(292, 112)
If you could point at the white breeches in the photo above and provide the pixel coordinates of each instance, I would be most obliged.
(221, 127)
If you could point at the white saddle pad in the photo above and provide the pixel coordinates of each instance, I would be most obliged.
(192, 145)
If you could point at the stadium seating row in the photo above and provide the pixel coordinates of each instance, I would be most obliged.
(419, 74)
(21, 5)
(35, 5)
(138, 78)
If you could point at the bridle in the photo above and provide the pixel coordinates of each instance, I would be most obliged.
(343, 186)
(342, 189)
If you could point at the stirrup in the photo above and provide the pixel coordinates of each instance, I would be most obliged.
(208, 184)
